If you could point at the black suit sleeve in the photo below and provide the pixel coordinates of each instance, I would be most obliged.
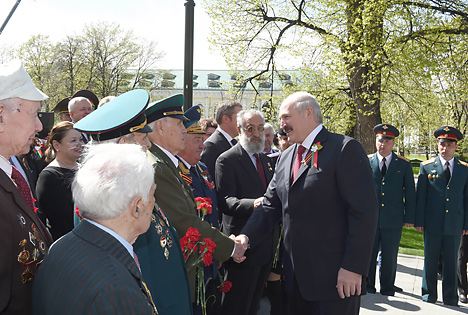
(209, 155)
(356, 187)
(226, 189)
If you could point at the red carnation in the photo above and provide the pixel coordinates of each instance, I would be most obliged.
(225, 286)
(207, 259)
(193, 234)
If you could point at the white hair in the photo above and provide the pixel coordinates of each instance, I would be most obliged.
(301, 101)
(241, 114)
(73, 101)
(108, 179)
(269, 126)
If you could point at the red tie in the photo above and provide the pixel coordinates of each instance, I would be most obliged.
(297, 163)
(137, 262)
(22, 186)
(260, 170)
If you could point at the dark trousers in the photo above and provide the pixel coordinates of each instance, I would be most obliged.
(387, 240)
(434, 246)
(248, 282)
(462, 261)
(299, 306)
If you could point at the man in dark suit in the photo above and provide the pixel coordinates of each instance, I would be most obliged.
(223, 138)
(172, 193)
(93, 269)
(324, 191)
(442, 214)
(24, 240)
(394, 181)
(242, 176)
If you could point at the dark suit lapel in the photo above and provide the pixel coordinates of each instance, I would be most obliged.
(322, 138)
(438, 167)
(456, 171)
(374, 161)
(267, 167)
(392, 166)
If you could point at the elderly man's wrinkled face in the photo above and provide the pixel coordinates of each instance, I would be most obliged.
(141, 138)
(193, 148)
(176, 134)
(82, 109)
(19, 126)
(296, 125)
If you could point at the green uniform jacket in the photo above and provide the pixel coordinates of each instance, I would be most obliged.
(396, 192)
(176, 199)
(441, 207)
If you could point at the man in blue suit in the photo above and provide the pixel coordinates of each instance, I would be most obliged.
(93, 269)
(396, 193)
(441, 213)
(196, 175)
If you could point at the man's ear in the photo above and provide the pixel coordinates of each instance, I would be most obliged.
(136, 205)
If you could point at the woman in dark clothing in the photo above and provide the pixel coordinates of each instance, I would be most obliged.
(54, 184)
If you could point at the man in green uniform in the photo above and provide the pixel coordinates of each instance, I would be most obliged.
(172, 193)
(441, 213)
(394, 181)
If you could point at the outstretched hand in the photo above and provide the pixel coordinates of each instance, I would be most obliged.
(241, 243)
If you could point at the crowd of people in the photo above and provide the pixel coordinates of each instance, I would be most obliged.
(153, 210)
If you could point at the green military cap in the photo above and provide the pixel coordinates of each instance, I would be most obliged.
(89, 95)
(168, 107)
(386, 131)
(448, 134)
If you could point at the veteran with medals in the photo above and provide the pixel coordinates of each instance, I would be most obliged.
(123, 120)
(173, 194)
(441, 213)
(24, 240)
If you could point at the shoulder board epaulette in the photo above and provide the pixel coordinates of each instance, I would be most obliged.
(183, 168)
(428, 161)
(464, 163)
(403, 158)
(370, 155)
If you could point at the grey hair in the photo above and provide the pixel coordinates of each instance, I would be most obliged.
(11, 103)
(241, 114)
(108, 179)
(303, 100)
(269, 126)
(73, 101)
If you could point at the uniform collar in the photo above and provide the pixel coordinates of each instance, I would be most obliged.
(174, 160)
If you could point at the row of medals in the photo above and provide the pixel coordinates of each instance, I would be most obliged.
(25, 257)
(162, 228)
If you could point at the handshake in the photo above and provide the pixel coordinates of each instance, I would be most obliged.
(241, 245)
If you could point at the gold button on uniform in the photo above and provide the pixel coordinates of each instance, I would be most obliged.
(383, 194)
(383, 183)
(446, 211)
(382, 205)
(447, 199)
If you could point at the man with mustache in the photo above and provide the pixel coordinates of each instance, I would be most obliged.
(242, 176)
(324, 192)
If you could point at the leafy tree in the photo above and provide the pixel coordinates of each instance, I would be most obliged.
(351, 37)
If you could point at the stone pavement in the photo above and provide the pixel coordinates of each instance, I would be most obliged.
(409, 278)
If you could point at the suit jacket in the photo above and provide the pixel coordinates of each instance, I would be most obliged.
(214, 146)
(88, 271)
(238, 185)
(178, 203)
(396, 192)
(329, 215)
(441, 206)
(21, 231)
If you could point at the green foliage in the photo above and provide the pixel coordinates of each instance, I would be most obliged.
(105, 59)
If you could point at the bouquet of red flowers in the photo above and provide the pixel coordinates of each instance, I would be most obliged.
(203, 206)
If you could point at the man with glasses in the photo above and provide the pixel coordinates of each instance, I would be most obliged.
(242, 176)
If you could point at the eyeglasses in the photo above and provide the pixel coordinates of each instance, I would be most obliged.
(251, 129)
